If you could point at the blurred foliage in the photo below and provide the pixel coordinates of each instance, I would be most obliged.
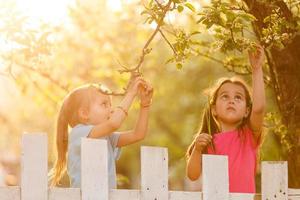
(190, 53)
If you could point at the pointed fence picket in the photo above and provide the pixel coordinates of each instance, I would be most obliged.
(154, 177)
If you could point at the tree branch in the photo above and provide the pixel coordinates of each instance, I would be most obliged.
(45, 75)
(144, 50)
(168, 42)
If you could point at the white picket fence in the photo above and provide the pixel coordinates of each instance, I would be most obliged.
(154, 177)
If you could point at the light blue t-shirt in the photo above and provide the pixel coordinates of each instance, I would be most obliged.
(74, 154)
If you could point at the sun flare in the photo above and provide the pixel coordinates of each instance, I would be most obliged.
(51, 11)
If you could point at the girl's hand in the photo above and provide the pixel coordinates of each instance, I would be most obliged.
(256, 57)
(146, 93)
(202, 141)
(135, 84)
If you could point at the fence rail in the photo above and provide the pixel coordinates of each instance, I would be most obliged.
(154, 177)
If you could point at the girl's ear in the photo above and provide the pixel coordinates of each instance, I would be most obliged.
(83, 114)
(213, 110)
(247, 112)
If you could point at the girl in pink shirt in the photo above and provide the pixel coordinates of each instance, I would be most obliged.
(232, 126)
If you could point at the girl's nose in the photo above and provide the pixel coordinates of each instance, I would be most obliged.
(231, 101)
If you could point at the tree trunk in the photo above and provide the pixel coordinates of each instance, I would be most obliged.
(285, 77)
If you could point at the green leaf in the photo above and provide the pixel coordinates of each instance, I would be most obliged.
(230, 15)
(248, 17)
(145, 12)
(179, 66)
(208, 23)
(190, 6)
(150, 20)
(170, 60)
(223, 18)
(180, 8)
(195, 32)
(176, 1)
(200, 20)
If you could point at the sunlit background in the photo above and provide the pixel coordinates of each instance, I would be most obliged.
(55, 11)
(49, 47)
(60, 44)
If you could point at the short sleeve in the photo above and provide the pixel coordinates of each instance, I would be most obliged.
(113, 139)
(250, 135)
(257, 141)
(78, 132)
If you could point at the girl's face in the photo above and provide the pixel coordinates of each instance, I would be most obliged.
(230, 107)
(99, 109)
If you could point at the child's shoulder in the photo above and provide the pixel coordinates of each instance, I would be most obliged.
(247, 129)
(81, 127)
(80, 130)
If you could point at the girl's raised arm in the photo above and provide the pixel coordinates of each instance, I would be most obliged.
(258, 107)
(141, 126)
(118, 116)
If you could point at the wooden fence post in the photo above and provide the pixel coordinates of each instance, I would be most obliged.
(215, 177)
(154, 177)
(154, 173)
(274, 180)
(34, 167)
(94, 169)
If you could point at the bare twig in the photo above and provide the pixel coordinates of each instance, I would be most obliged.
(166, 39)
(136, 70)
(144, 50)
(266, 78)
(209, 57)
(42, 91)
(115, 93)
(45, 75)
(123, 66)
(159, 4)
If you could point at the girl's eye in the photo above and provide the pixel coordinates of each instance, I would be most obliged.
(224, 97)
(238, 98)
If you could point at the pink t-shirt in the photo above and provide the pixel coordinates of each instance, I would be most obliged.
(241, 152)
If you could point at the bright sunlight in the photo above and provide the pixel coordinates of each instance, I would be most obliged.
(52, 11)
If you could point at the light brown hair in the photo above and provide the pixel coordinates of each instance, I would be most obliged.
(209, 123)
(69, 116)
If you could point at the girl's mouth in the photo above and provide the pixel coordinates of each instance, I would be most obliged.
(230, 109)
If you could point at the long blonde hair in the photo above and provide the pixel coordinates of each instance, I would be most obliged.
(68, 116)
(209, 123)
